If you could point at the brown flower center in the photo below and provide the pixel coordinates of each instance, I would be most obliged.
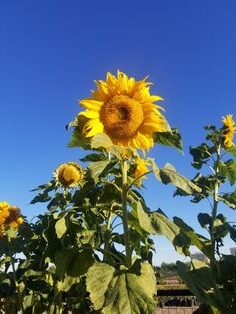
(121, 117)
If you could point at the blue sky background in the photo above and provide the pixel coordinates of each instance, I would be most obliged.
(50, 52)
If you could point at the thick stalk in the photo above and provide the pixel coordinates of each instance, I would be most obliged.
(124, 167)
(107, 239)
(15, 279)
(215, 205)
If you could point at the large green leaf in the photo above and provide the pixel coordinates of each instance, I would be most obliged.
(163, 225)
(168, 174)
(122, 291)
(228, 170)
(145, 219)
(72, 262)
(157, 223)
(172, 139)
(202, 282)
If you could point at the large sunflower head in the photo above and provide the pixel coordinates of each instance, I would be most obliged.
(229, 130)
(124, 109)
(68, 175)
(10, 217)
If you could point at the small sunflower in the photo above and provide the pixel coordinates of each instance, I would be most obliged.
(10, 217)
(230, 129)
(68, 175)
(140, 170)
(124, 109)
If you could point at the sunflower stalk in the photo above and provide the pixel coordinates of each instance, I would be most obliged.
(215, 204)
(124, 168)
(19, 297)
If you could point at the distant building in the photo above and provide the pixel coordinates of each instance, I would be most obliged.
(199, 256)
(233, 251)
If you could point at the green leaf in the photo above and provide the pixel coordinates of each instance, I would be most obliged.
(41, 197)
(93, 157)
(228, 170)
(122, 291)
(62, 261)
(202, 282)
(192, 238)
(80, 263)
(201, 154)
(67, 283)
(168, 174)
(77, 138)
(229, 199)
(204, 219)
(101, 140)
(172, 139)
(145, 220)
(163, 225)
(99, 168)
(60, 227)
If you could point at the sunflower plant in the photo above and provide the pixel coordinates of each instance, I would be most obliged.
(91, 251)
(212, 281)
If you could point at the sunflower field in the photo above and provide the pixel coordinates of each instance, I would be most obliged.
(91, 250)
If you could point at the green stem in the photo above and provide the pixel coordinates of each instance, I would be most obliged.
(124, 168)
(15, 279)
(215, 206)
(107, 239)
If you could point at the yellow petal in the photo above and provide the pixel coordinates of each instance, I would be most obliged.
(91, 104)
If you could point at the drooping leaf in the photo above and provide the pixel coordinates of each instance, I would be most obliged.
(192, 238)
(201, 154)
(129, 292)
(172, 138)
(229, 199)
(168, 174)
(163, 225)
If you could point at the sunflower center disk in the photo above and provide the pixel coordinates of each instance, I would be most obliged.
(121, 117)
(69, 175)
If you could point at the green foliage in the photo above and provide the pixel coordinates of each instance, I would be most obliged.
(124, 291)
(168, 174)
(213, 283)
(172, 139)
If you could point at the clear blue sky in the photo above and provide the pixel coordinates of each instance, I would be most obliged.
(50, 51)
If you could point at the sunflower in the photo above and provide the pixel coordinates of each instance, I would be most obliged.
(68, 175)
(140, 169)
(10, 217)
(124, 109)
(229, 126)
